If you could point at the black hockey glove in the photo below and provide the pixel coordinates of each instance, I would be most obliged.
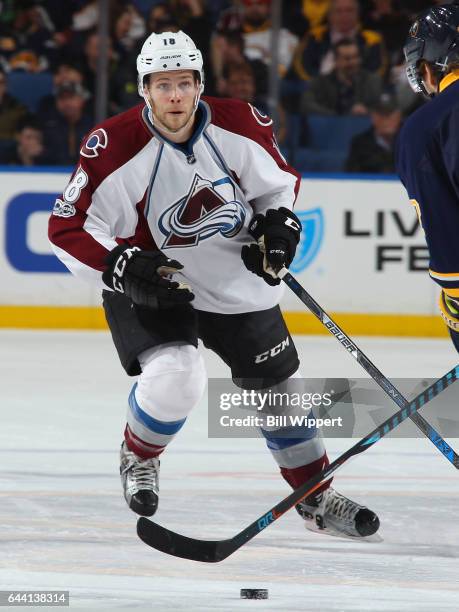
(253, 261)
(277, 234)
(140, 275)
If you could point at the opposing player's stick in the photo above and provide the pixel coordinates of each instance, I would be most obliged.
(211, 551)
(368, 365)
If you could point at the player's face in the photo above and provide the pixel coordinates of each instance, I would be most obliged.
(172, 96)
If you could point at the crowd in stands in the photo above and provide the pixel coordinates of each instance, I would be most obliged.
(343, 90)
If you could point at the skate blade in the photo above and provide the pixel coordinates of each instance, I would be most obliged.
(375, 538)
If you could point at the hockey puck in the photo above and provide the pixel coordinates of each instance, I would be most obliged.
(254, 593)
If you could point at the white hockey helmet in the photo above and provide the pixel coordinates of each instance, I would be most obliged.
(168, 51)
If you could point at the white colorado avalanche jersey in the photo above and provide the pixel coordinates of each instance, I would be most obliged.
(192, 202)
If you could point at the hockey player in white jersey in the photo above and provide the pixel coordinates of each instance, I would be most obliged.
(165, 199)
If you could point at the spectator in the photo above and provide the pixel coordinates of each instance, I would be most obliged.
(255, 25)
(300, 16)
(192, 16)
(28, 149)
(348, 90)
(373, 151)
(57, 16)
(161, 19)
(314, 54)
(232, 49)
(64, 73)
(11, 110)
(216, 8)
(86, 17)
(91, 56)
(84, 42)
(240, 84)
(123, 85)
(126, 29)
(65, 127)
(391, 24)
(31, 39)
(61, 15)
(316, 11)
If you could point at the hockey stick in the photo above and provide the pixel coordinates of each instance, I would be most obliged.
(212, 551)
(369, 367)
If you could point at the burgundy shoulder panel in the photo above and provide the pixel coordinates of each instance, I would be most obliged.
(246, 120)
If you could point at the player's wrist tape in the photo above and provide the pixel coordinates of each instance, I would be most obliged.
(449, 309)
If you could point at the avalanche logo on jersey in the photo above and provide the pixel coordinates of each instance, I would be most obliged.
(311, 238)
(97, 140)
(209, 208)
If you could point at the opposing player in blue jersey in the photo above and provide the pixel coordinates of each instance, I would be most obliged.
(428, 148)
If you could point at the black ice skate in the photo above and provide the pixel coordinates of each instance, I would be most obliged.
(140, 480)
(337, 515)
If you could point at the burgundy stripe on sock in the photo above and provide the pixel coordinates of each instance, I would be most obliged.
(141, 448)
(298, 476)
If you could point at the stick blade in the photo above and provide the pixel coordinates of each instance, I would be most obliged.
(172, 543)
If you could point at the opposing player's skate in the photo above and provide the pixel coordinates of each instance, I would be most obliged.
(337, 515)
(140, 480)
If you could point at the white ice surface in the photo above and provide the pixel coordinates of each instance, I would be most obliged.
(65, 525)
